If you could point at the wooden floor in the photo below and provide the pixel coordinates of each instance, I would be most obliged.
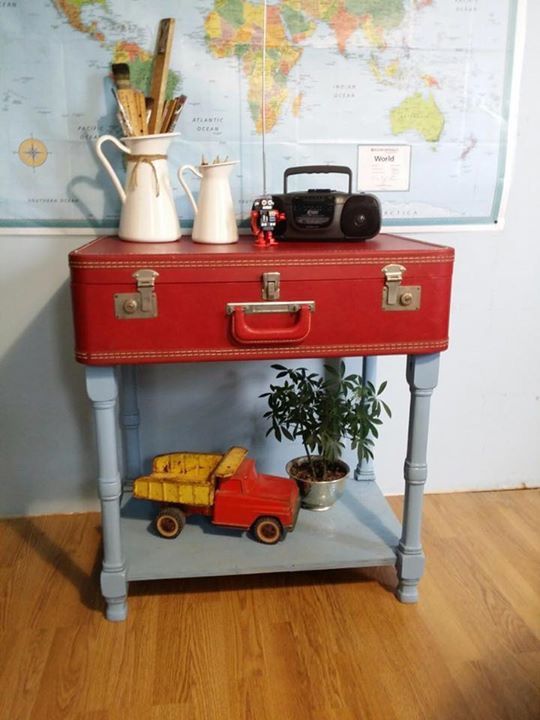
(318, 645)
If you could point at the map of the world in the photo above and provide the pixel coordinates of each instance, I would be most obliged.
(347, 82)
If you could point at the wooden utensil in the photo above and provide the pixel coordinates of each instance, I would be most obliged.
(160, 71)
(124, 114)
(178, 107)
(168, 112)
(133, 103)
(121, 77)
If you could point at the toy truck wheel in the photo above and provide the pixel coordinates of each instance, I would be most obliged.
(267, 530)
(169, 522)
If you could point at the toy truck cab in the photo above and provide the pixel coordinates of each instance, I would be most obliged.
(265, 503)
(227, 488)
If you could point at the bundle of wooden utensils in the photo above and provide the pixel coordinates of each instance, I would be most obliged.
(140, 115)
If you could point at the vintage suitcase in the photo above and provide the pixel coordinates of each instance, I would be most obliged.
(181, 302)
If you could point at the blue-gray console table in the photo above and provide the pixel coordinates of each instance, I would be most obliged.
(359, 531)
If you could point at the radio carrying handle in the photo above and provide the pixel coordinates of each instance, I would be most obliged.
(307, 169)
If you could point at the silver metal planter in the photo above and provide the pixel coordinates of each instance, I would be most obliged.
(318, 494)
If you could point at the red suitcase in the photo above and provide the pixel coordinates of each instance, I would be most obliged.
(178, 302)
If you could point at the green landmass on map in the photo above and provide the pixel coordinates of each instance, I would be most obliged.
(420, 114)
(138, 58)
(234, 29)
(296, 21)
(140, 74)
(226, 36)
(231, 10)
(386, 13)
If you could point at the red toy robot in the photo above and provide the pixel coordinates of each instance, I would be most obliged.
(264, 218)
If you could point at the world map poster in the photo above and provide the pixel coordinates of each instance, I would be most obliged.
(425, 84)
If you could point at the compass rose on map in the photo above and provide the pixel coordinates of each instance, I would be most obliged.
(33, 152)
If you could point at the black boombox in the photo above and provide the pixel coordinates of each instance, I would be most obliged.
(326, 214)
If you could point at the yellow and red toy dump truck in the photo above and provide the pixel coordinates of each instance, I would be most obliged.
(227, 488)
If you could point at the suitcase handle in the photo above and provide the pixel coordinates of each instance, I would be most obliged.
(243, 333)
(309, 169)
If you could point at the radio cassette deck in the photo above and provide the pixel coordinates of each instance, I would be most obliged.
(324, 214)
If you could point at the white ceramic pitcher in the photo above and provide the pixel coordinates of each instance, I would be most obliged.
(215, 221)
(148, 211)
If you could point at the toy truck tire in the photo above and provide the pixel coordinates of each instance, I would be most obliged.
(169, 522)
(267, 530)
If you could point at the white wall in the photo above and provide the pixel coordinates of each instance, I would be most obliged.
(486, 411)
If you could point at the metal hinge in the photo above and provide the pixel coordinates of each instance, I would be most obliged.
(395, 295)
(140, 304)
(271, 285)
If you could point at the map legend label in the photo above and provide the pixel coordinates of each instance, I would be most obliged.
(384, 167)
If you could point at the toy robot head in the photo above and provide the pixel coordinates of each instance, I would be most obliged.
(264, 203)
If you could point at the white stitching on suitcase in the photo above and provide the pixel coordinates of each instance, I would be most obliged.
(293, 262)
(272, 351)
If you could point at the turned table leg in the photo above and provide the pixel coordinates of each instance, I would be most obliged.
(365, 470)
(422, 375)
(129, 422)
(102, 389)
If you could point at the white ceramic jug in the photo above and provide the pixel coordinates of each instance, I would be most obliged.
(215, 221)
(148, 211)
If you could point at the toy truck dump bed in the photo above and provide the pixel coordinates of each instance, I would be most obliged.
(186, 478)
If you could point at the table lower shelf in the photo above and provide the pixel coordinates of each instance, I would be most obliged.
(359, 531)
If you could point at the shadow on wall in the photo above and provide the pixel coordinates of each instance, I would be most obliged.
(47, 444)
(45, 430)
(209, 407)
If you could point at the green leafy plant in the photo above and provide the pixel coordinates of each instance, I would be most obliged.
(325, 411)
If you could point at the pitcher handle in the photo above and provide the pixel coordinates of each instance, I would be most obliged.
(107, 165)
(184, 184)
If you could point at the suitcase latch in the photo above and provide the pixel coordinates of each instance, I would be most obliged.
(395, 295)
(140, 304)
(270, 285)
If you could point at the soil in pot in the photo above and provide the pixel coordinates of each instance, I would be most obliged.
(303, 470)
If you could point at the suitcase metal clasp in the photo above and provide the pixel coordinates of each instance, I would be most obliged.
(271, 285)
(396, 296)
(140, 304)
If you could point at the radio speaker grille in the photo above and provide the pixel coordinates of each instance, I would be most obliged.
(361, 217)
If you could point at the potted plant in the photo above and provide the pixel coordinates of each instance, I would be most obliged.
(323, 412)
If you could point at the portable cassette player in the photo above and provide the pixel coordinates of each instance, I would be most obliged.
(322, 214)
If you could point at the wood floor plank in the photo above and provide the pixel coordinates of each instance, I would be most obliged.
(323, 645)
(24, 654)
(56, 573)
